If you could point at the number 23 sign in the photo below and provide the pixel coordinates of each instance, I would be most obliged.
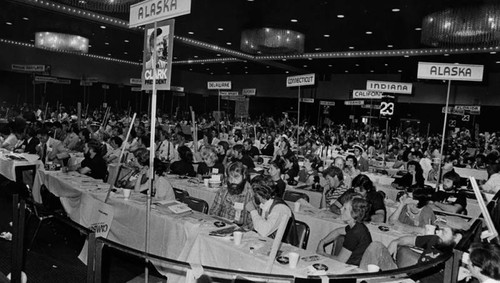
(386, 108)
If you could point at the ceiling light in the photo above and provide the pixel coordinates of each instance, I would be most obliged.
(357, 65)
(498, 62)
(400, 71)
(220, 29)
(195, 56)
(317, 49)
(103, 27)
(190, 69)
(126, 40)
(106, 43)
(283, 59)
(309, 58)
(246, 72)
(287, 72)
(390, 46)
(125, 52)
(417, 29)
(228, 43)
(446, 54)
(109, 54)
(8, 23)
(326, 35)
(340, 16)
(267, 67)
(492, 53)
(406, 56)
(346, 71)
(305, 66)
(330, 65)
(386, 64)
(351, 47)
(218, 54)
(369, 32)
(190, 32)
(371, 71)
(26, 19)
(293, 20)
(395, 10)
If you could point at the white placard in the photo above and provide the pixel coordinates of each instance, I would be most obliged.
(63, 81)
(307, 100)
(391, 87)
(453, 72)
(219, 85)
(151, 11)
(45, 79)
(136, 89)
(28, 68)
(473, 108)
(354, 102)
(229, 93)
(249, 91)
(365, 94)
(327, 103)
(135, 81)
(301, 80)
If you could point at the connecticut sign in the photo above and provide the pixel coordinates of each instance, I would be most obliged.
(300, 80)
(452, 72)
(391, 87)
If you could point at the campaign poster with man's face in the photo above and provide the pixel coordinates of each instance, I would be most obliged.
(158, 46)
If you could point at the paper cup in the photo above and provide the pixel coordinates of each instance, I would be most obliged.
(126, 193)
(430, 229)
(373, 268)
(237, 235)
(293, 259)
(296, 206)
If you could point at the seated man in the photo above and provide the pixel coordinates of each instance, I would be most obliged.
(271, 208)
(432, 246)
(230, 201)
(413, 213)
(93, 164)
(452, 199)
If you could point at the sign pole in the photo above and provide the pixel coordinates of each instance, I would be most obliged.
(444, 133)
(218, 109)
(298, 117)
(386, 139)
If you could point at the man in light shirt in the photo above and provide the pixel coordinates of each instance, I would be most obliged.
(9, 139)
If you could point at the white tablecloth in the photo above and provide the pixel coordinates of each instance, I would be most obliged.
(467, 172)
(8, 166)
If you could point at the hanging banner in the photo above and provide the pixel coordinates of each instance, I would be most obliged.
(307, 100)
(327, 103)
(392, 87)
(241, 108)
(249, 91)
(219, 85)
(354, 102)
(365, 94)
(300, 80)
(150, 11)
(452, 72)
(164, 42)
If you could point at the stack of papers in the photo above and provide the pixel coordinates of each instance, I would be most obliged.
(175, 206)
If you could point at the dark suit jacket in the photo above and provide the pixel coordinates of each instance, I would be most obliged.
(363, 164)
(30, 147)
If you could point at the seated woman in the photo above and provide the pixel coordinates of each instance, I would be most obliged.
(364, 186)
(267, 209)
(413, 213)
(357, 236)
(275, 169)
(210, 164)
(230, 201)
(184, 166)
(414, 177)
(93, 165)
(164, 190)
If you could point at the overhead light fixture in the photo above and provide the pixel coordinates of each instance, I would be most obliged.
(330, 65)
(103, 27)
(228, 43)
(272, 41)
(492, 53)
(369, 32)
(340, 16)
(317, 49)
(106, 43)
(190, 32)
(220, 29)
(61, 41)
(26, 19)
(351, 47)
(326, 35)
(471, 26)
(126, 40)
(8, 23)
(293, 20)
(305, 66)
(390, 46)
(395, 10)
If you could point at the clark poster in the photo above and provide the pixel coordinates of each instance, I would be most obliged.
(158, 48)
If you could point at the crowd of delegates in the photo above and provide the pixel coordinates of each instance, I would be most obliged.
(332, 159)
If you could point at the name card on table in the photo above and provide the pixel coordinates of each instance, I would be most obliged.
(452, 72)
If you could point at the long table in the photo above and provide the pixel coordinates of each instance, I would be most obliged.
(183, 237)
(8, 164)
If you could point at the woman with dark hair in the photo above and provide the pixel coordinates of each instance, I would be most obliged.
(484, 262)
(184, 166)
(356, 235)
(351, 163)
(413, 212)
(414, 177)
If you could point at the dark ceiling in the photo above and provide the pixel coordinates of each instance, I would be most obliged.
(394, 24)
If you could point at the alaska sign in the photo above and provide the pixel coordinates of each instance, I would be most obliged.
(390, 87)
(149, 11)
(452, 72)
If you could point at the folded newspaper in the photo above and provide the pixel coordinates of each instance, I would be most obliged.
(174, 206)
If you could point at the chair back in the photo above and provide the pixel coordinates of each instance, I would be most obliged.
(303, 233)
(295, 196)
(180, 195)
(196, 204)
(21, 172)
